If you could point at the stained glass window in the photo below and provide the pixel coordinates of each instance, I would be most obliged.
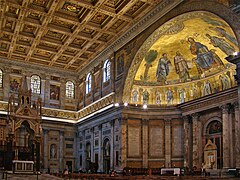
(1, 78)
(106, 71)
(88, 83)
(36, 84)
(69, 89)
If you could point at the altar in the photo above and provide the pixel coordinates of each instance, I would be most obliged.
(23, 166)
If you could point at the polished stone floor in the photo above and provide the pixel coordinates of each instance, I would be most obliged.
(51, 177)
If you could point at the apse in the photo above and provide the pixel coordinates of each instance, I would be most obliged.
(182, 60)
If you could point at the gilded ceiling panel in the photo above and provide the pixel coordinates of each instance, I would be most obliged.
(55, 26)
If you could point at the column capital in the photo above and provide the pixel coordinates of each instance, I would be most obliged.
(45, 131)
(235, 105)
(195, 116)
(112, 122)
(167, 121)
(61, 132)
(186, 119)
(225, 108)
(100, 127)
(145, 121)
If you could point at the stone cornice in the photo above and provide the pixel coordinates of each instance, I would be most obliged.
(161, 9)
(209, 102)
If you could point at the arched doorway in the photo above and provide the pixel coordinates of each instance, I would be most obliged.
(106, 155)
(214, 134)
(24, 142)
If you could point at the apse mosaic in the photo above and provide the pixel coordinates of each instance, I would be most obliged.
(183, 60)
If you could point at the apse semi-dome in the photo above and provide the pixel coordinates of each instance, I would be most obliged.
(184, 59)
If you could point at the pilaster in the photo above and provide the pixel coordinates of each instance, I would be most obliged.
(237, 135)
(145, 142)
(6, 84)
(196, 134)
(186, 125)
(62, 93)
(226, 149)
(100, 160)
(47, 91)
(168, 143)
(92, 144)
(45, 149)
(112, 158)
(124, 147)
(61, 147)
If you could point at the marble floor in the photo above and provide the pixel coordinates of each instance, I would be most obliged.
(29, 177)
(51, 177)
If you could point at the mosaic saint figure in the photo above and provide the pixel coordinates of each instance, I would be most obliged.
(204, 57)
(221, 44)
(145, 96)
(169, 95)
(182, 95)
(222, 32)
(181, 67)
(158, 97)
(224, 82)
(135, 96)
(207, 88)
(163, 68)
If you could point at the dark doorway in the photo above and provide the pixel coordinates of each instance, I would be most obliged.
(106, 155)
(69, 166)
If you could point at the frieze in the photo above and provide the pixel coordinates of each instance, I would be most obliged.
(53, 70)
(96, 106)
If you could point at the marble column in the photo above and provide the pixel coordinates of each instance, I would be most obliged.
(186, 125)
(237, 135)
(100, 156)
(45, 149)
(84, 162)
(226, 149)
(123, 149)
(61, 147)
(200, 145)
(112, 157)
(230, 131)
(145, 142)
(168, 143)
(92, 144)
(196, 141)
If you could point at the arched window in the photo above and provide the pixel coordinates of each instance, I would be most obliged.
(35, 84)
(1, 78)
(69, 89)
(106, 71)
(88, 83)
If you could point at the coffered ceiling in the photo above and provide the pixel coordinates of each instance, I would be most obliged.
(65, 34)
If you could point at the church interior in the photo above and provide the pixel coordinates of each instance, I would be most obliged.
(100, 85)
